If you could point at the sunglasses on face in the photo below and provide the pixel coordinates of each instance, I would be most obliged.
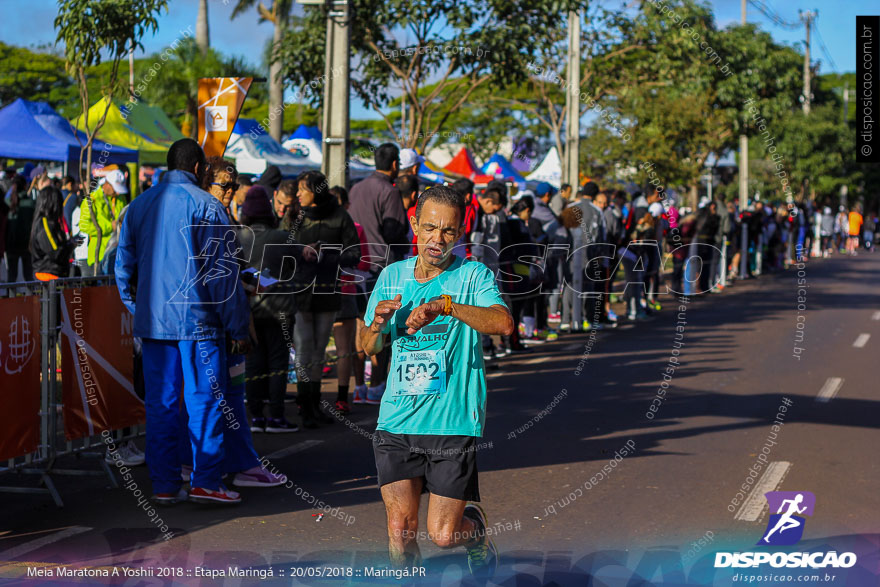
(226, 186)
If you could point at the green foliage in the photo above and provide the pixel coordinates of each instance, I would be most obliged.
(36, 76)
(90, 28)
(411, 45)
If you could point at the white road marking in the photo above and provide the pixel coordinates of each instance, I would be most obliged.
(753, 506)
(33, 545)
(875, 316)
(294, 449)
(861, 340)
(830, 389)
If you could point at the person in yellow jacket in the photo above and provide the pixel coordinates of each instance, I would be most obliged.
(105, 204)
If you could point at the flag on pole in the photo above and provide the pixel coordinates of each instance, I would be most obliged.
(220, 100)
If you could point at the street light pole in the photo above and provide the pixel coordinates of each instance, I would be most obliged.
(572, 104)
(336, 89)
(744, 183)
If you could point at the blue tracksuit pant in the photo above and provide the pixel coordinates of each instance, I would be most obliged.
(200, 367)
(238, 446)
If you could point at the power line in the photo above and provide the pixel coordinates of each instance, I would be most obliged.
(825, 50)
(771, 14)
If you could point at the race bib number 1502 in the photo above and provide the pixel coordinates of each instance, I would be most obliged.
(420, 373)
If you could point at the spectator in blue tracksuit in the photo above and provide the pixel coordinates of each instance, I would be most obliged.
(177, 273)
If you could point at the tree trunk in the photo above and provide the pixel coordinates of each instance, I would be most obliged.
(276, 84)
(203, 37)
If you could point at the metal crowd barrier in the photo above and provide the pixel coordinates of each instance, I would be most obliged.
(53, 443)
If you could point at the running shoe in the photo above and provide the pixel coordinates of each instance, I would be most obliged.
(280, 425)
(342, 406)
(258, 424)
(500, 352)
(586, 325)
(631, 316)
(133, 449)
(483, 556)
(522, 329)
(655, 304)
(258, 477)
(554, 317)
(170, 498)
(519, 349)
(487, 354)
(124, 456)
(612, 317)
(374, 394)
(360, 394)
(222, 496)
(565, 327)
(533, 340)
(551, 336)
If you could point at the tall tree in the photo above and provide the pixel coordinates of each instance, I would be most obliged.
(93, 31)
(203, 35)
(455, 47)
(278, 15)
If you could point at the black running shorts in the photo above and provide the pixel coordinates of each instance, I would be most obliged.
(447, 464)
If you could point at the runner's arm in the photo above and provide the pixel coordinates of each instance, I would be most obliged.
(495, 319)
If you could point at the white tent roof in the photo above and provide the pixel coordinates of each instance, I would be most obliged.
(550, 170)
(254, 151)
(307, 152)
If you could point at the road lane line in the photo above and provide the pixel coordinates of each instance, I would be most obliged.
(294, 449)
(862, 340)
(33, 545)
(753, 506)
(875, 316)
(830, 389)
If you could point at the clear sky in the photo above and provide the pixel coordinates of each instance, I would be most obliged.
(30, 22)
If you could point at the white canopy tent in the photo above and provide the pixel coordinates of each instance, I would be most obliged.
(307, 152)
(550, 170)
(253, 150)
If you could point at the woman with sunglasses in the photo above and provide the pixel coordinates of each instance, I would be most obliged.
(220, 180)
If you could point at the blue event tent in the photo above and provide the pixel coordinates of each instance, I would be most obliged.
(33, 130)
(501, 168)
(307, 132)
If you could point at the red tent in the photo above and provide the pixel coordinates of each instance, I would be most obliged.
(463, 164)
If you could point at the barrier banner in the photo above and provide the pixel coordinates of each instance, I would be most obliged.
(20, 346)
(98, 364)
(220, 100)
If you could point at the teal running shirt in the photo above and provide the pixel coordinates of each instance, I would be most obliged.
(436, 382)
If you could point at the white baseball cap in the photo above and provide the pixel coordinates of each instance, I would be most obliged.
(409, 157)
(117, 179)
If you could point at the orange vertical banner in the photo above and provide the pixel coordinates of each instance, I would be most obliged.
(220, 100)
(20, 376)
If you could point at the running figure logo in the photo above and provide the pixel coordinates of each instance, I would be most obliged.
(786, 526)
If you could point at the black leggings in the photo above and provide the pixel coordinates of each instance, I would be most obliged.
(270, 355)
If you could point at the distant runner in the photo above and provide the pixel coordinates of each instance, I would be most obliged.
(434, 307)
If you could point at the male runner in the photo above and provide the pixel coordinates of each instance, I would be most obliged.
(434, 307)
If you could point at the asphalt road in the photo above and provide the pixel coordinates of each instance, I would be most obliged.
(581, 485)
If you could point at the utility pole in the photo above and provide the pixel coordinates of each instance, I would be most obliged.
(807, 18)
(744, 181)
(335, 127)
(572, 103)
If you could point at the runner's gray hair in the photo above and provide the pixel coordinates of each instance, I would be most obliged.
(443, 195)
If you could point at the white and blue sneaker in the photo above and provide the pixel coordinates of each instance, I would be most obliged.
(374, 394)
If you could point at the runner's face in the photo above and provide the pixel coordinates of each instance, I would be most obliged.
(437, 229)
